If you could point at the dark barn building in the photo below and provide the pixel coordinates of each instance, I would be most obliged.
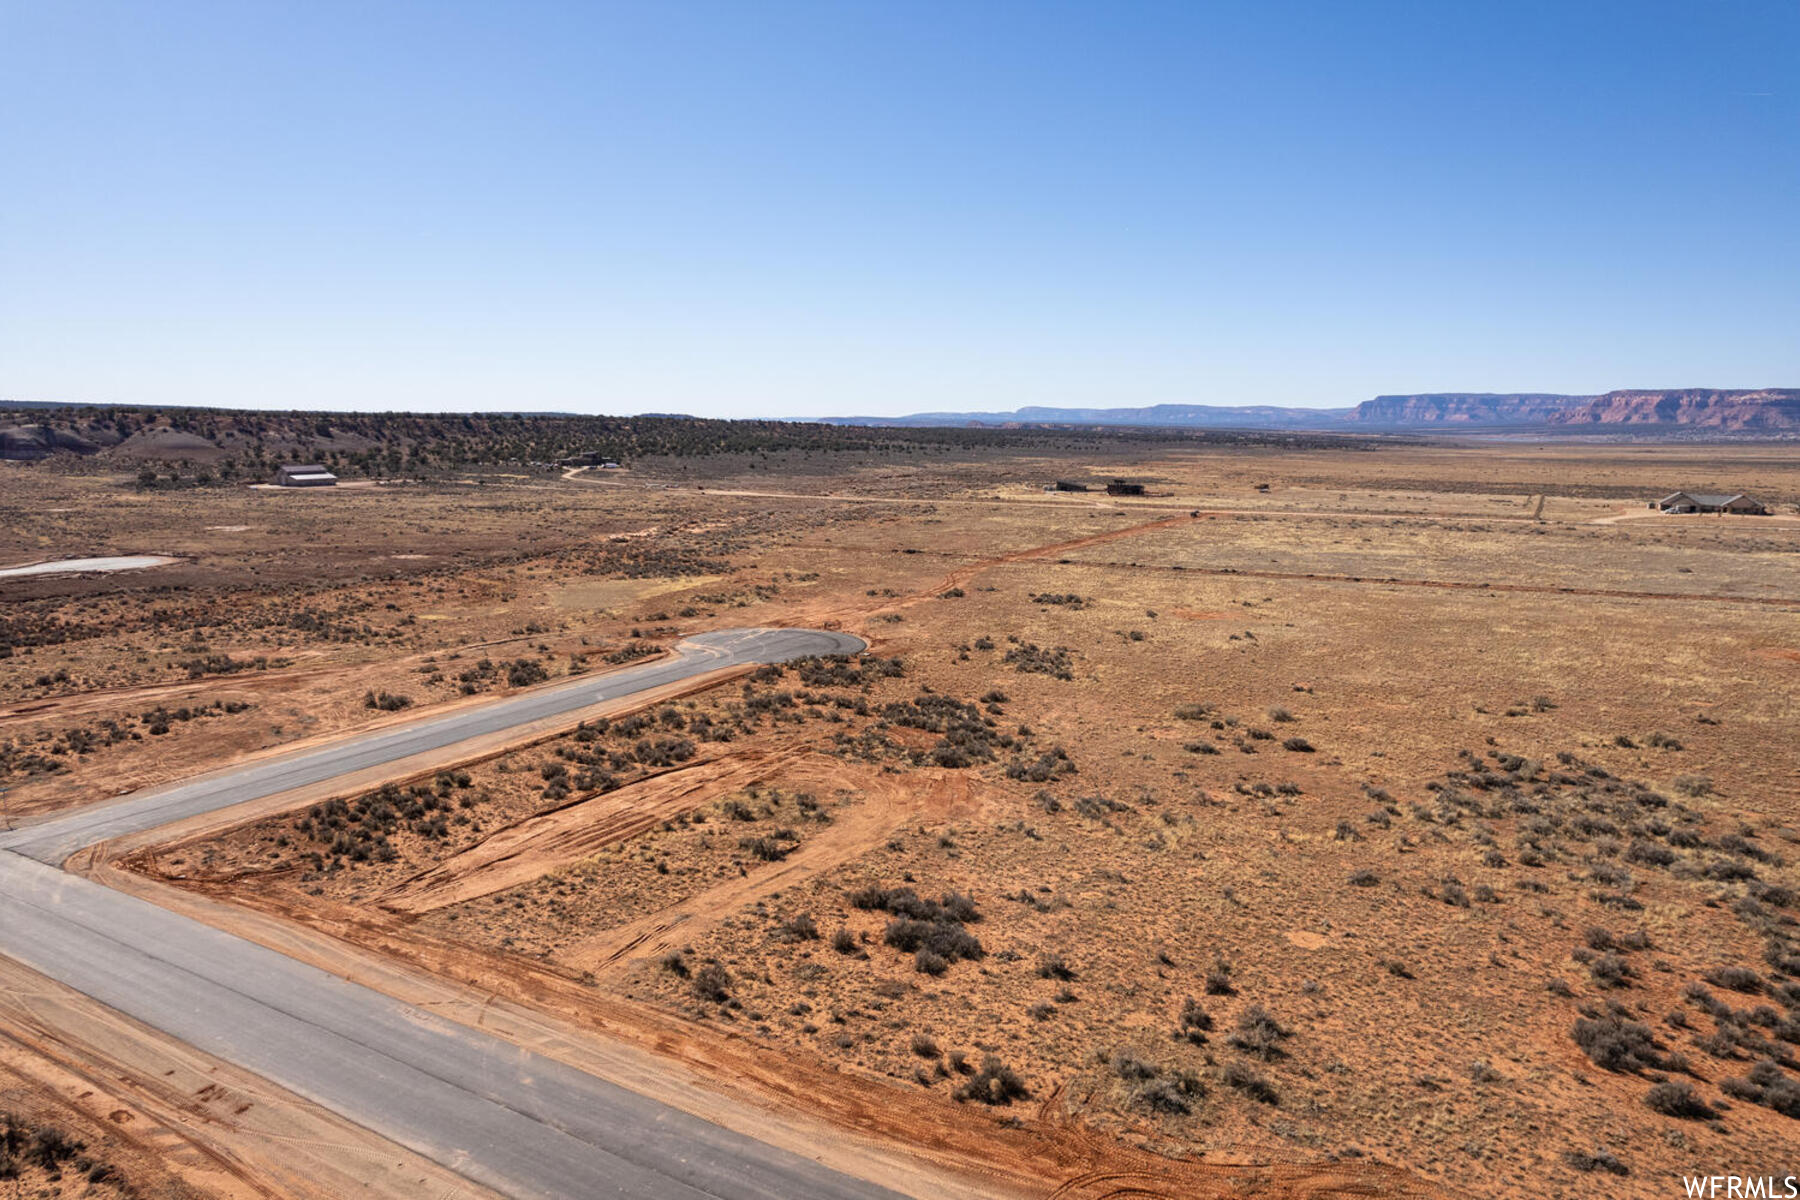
(1120, 487)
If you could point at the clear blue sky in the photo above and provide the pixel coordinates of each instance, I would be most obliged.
(773, 209)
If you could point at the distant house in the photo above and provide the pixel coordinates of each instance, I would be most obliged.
(1120, 487)
(609, 465)
(304, 475)
(1069, 485)
(1708, 502)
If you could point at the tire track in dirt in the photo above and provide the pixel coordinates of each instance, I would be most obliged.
(853, 613)
(1274, 1182)
(535, 846)
(887, 803)
(526, 849)
(1368, 580)
(965, 575)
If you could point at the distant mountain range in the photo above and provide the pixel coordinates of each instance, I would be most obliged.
(1771, 410)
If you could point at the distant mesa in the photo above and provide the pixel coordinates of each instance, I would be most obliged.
(1772, 409)
(1746, 410)
(1156, 416)
(378, 444)
(1762, 409)
(1466, 408)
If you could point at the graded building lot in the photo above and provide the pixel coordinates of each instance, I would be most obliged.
(1463, 819)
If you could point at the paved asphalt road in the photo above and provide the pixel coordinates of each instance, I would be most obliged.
(53, 841)
(517, 1122)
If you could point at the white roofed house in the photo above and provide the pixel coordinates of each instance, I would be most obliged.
(304, 475)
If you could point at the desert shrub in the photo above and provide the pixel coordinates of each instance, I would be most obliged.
(924, 1046)
(1044, 768)
(994, 1084)
(905, 902)
(766, 849)
(523, 672)
(1610, 971)
(844, 942)
(1365, 879)
(800, 928)
(1096, 808)
(929, 962)
(1768, 1085)
(664, 751)
(1298, 744)
(42, 1146)
(1128, 1066)
(1649, 853)
(943, 939)
(1693, 786)
(1218, 981)
(1780, 897)
(1781, 957)
(1726, 870)
(1597, 1159)
(385, 701)
(1053, 967)
(1617, 1044)
(1173, 1093)
(1031, 659)
(1156, 1089)
(958, 907)
(1737, 979)
(1259, 1033)
(1193, 712)
(713, 982)
(1242, 1077)
(1194, 1022)
(1677, 1098)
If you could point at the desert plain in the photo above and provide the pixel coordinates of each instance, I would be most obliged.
(1338, 817)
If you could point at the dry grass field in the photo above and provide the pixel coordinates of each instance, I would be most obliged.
(1409, 817)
